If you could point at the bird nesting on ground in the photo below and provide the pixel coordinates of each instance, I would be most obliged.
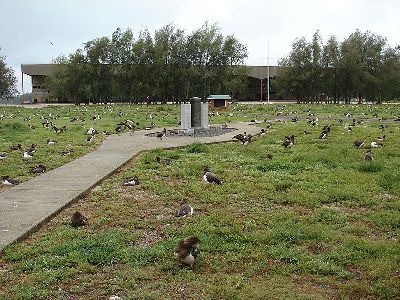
(91, 131)
(368, 155)
(185, 209)
(376, 145)
(16, 147)
(127, 124)
(358, 144)
(325, 131)
(289, 141)
(59, 129)
(3, 155)
(132, 181)
(165, 161)
(118, 129)
(381, 138)
(37, 169)
(313, 121)
(210, 177)
(243, 138)
(78, 219)
(7, 180)
(186, 250)
(90, 138)
(31, 149)
(268, 156)
(27, 156)
(51, 142)
(262, 132)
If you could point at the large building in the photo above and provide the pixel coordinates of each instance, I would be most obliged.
(259, 78)
(38, 73)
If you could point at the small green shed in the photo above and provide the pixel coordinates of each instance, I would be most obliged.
(218, 101)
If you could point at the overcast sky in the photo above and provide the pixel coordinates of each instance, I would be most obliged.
(28, 26)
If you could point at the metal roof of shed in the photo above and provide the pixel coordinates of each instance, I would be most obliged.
(219, 97)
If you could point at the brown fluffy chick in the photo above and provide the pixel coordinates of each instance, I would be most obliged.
(186, 250)
(78, 219)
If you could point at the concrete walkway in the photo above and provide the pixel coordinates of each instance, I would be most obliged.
(25, 207)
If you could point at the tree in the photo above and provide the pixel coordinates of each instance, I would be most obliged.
(167, 66)
(294, 78)
(329, 62)
(8, 80)
(362, 67)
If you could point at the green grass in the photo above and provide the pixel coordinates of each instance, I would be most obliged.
(315, 222)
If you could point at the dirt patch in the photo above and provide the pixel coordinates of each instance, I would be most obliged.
(318, 249)
(149, 238)
(349, 210)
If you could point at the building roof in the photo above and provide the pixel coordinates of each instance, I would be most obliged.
(219, 97)
(37, 69)
(260, 72)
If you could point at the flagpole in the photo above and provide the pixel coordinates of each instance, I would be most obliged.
(268, 74)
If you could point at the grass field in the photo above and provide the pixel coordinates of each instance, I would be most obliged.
(315, 222)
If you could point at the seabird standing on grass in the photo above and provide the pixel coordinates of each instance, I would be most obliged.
(186, 250)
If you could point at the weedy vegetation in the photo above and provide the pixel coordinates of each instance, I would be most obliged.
(316, 221)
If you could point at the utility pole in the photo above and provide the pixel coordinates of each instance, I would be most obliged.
(268, 73)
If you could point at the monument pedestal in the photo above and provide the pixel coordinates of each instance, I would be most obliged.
(194, 115)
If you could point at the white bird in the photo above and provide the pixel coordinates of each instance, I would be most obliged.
(27, 156)
(376, 145)
(91, 131)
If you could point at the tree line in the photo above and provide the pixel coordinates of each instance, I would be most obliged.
(363, 66)
(8, 81)
(167, 66)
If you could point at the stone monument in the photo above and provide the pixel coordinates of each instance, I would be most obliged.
(194, 115)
